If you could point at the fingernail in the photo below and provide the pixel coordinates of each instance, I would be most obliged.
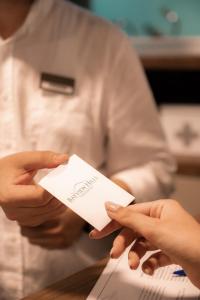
(130, 265)
(112, 253)
(60, 158)
(148, 271)
(111, 206)
(91, 234)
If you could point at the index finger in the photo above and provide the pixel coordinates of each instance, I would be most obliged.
(110, 228)
(34, 160)
(114, 225)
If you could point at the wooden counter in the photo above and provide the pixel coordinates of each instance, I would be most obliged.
(75, 287)
(171, 62)
(188, 165)
(168, 53)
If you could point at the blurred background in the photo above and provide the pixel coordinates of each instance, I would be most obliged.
(149, 18)
(154, 17)
(166, 35)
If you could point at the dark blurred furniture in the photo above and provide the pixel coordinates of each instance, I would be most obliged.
(188, 165)
(172, 62)
(175, 86)
(176, 81)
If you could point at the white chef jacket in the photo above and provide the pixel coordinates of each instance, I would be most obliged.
(110, 120)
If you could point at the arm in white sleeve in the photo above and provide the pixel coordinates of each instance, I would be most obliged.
(137, 152)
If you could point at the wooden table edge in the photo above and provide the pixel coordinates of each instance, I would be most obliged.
(74, 287)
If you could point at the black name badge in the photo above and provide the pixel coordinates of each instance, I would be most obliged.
(57, 84)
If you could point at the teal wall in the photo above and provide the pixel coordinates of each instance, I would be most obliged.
(147, 17)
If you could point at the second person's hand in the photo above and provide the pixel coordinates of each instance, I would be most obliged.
(161, 224)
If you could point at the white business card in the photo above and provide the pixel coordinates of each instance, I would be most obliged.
(85, 190)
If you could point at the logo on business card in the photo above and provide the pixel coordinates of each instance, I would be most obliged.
(82, 188)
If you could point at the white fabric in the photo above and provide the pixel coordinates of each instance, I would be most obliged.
(110, 121)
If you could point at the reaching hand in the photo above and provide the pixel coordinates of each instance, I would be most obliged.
(21, 199)
(161, 224)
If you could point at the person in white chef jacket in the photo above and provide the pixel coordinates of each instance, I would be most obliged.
(71, 82)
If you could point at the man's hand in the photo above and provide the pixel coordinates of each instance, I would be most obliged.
(20, 198)
(62, 231)
(58, 233)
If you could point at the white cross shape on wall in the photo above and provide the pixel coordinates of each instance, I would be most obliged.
(187, 135)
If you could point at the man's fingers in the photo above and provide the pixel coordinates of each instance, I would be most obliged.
(122, 241)
(26, 196)
(155, 261)
(110, 228)
(41, 231)
(19, 213)
(37, 160)
(34, 221)
(49, 243)
(33, 232)
(25, 178)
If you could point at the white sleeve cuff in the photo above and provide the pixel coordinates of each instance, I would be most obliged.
(144, 183)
